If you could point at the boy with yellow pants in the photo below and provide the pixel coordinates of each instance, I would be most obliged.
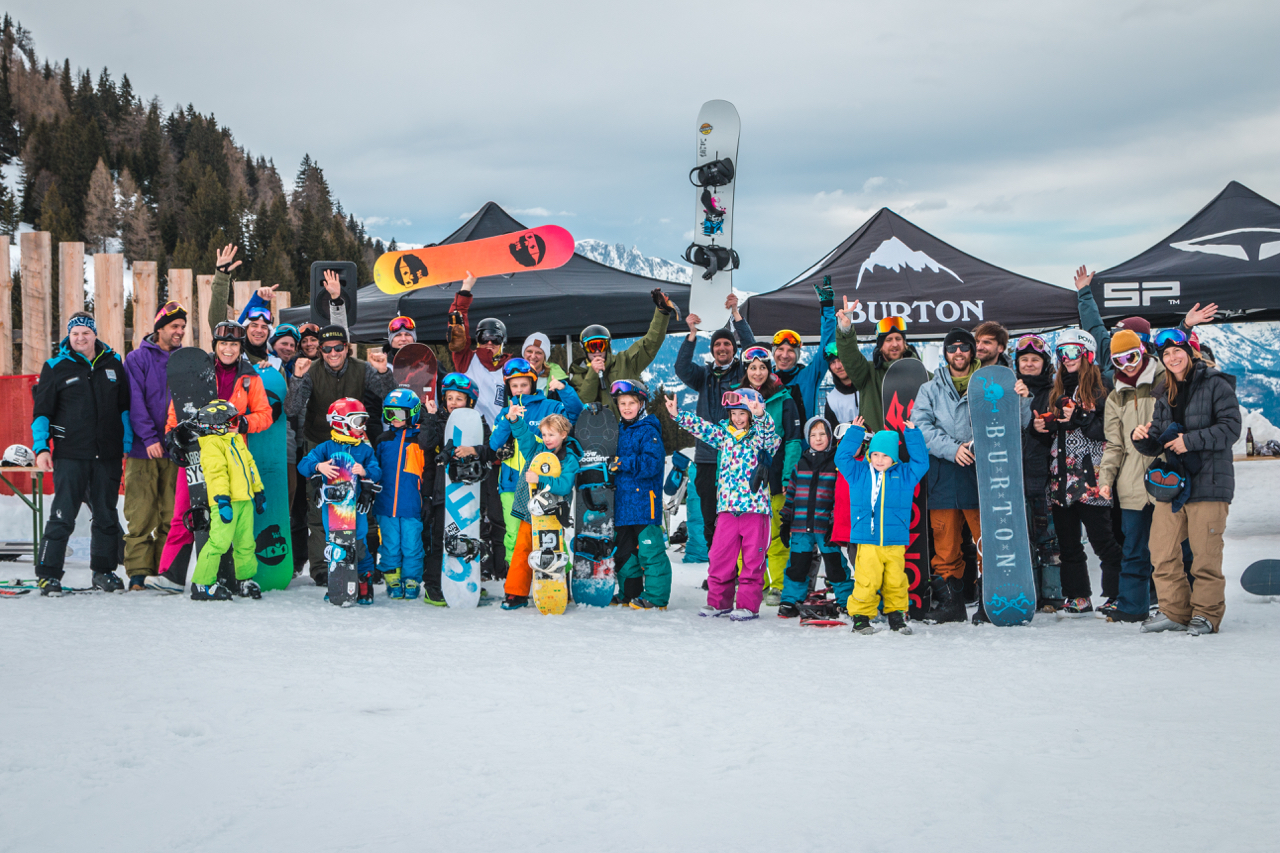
(880, 493)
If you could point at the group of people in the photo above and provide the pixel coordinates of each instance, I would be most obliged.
(782, 483)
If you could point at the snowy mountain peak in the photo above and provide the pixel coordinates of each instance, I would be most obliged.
(631, 260)
(894, 254)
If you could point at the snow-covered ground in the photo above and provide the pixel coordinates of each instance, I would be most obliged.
(139, 722)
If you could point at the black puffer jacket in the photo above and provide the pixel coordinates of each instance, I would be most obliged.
(1212, 427)
(1035, 453)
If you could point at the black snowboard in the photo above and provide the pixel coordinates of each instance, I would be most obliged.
(1262, 578)
(898, 394)
(594, 574)
(191, 386)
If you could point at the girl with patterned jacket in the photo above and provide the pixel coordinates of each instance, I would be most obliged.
(743, 508)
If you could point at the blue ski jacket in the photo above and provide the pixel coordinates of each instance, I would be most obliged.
(361, 453)
(402, 461)
(885, 518)
(536, 407)
(569, 454)
(637, 497)
(807, 377)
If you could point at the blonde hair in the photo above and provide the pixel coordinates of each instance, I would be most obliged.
(559, 423)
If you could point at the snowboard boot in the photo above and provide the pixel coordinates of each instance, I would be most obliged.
(433, 595)
(321, 578)
(772, 597)
(742, 614)
(163, 582)
(107, 581)
(709, 611)
(862, 625)
(394, 588)
(410, 590)
(1159, 623)
(644, 604)
(515, 602)
(1199, 625)
(1074, 608)
(51, 587)
(210, 592)
(948, 599)
(898, 622)
(137, 583)
(788, 610)
(1108, 606)
(364, 590)
(248, 588)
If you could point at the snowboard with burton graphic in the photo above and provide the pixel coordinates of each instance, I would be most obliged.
(714, 177)
(464, 550)
(543, 248)
(549, 557)
(594, 574)
(415, 367)
(902, 382)
(192, 386)
(338, 503)
(272, 541)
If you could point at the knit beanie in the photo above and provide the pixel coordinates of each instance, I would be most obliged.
(886, 442)
(727, 335)
(1125, 340)
(960, 336)
(543, 342)
(808, 427)
(165, 317)
(413, 333)
(1138, 325)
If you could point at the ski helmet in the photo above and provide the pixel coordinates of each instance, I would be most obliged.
(402, 405)
(1075, 340)
(19, 455)
(634, 387)
(516, 368)
(347, 416)
(739, 397)
(464, 383)
(491, 331)
(218, 418)
(595, 338)
(229, 330)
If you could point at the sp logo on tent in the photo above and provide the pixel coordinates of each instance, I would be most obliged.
(893, 254)
(1245, 244)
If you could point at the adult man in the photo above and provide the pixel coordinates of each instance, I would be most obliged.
(804, 379)
(990, 340)
(284, 346)
(311, 391)
(150, 476)
(594, 377)
(942, 415)
(82, 402)
(710, 382)
(484, 360)
(868, 376)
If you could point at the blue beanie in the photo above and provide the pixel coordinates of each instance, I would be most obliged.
(886, 442)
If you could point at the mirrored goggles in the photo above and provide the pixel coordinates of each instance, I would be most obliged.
(1032, 342)
(595, 346)
(891, 324)
(786, 336)
(401, 324)
(751, 354)
(228, 332)
(259, 313)
(1126, 359)
(1071, 352)
(1171, 337)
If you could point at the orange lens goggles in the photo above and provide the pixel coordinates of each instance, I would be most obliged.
(891, 324)
(786, 336)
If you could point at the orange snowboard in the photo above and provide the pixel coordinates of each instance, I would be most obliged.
(543, 248)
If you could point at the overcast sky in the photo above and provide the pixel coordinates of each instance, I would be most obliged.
(1037, 136)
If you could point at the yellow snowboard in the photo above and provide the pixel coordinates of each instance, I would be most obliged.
(549, 558)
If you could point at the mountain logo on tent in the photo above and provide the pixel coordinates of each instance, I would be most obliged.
(1246, 244)
(893, 254)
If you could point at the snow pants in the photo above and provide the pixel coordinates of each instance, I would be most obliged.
(513, 525)
(149, 486)
(74, 481)
(519, 575)
(1135, 561)
(881, 569)
(947, 526)
(1203, 522)
(796, 586)
(778, 554)
(643, 566)
(401, 548)
(705, 485)
(745, 535)
(695, 550)
(1044, 547)
(236, 535)
(1096, 521)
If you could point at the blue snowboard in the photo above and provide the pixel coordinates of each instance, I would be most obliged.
(1008, 578)
(460, 575)
(272, 542)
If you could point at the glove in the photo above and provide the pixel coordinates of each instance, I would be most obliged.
(259, 503)
(244, 426)
(224, 508)
(660, 299)
(458, 338)
(784, 532)
(826, 293)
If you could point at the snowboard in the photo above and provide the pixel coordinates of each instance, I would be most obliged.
(549, 557)
(594, 574)
(339, 495)
(544, 248)
(464, 551)
(1262, 578)
(414, 367)
(272, 542)
(1008, 576)
(902, 382)
(191, 386)
(716, 142)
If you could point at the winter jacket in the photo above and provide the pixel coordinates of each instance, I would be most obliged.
(842, 403)
(882, 517)
(787, 423)
(805, 378)
(710, 381)
(1075, 452)
(628, 364)
(220, 304)
(737, 459)
(83, 405)
(229, 469)
(361, 452)
(637, 497)
(403, 465)
(867, 377)
(1035, 453)
(1091, 322)
(249, 398)
(536, 407)
(811, 493)
(311, 394)
(485, 372)
(432, 440)
(569, 455)
(147, 367)
(1123, 468)
(1212, 427)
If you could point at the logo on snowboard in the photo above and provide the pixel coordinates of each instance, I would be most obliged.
(529, 249)
(269, 546)
(410, 270)
(705, 129)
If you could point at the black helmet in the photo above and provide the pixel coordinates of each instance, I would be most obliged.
(218, 418)
(491, 330)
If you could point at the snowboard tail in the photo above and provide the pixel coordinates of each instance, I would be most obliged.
(339, 494)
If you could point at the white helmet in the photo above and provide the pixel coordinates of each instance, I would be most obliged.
(19, 455)
(1077, 336)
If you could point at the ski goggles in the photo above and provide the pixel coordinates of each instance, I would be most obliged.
(396, 413)
(751, 354)
(786, 336)
(228, 331)
(732, 398)
(626, 386)
(170, 311)
(891, 324)
(491, 337)
(831, 353)
(287, 330)
(356, 420)
(1032, 342)
(401, 324)
(259, 313)
(308, 329)
(596, 346)
(1127, 359)
(1172, 337)
(1071, 352)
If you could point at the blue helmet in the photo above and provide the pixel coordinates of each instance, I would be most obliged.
(402, 405)
(461, 382)
(738, 398)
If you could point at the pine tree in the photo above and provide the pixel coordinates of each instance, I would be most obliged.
(9, 146)
(101, 214)
(56, 218)
(137, 224)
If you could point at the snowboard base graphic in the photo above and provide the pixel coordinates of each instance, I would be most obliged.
(460, 576)
(415, 367)
(272, 540)
(339, 494)
(594, 574)
(542, 248)
(549, 557)
(1262, 578)
(902, 382)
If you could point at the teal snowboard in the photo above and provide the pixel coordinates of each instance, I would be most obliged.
(272, 541)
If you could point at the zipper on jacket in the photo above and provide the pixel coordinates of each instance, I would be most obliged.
(395, 500)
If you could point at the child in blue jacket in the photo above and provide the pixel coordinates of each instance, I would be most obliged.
(399, 505)
(640, 555)
(880, 494)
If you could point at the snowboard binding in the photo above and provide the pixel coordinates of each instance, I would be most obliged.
(466, 548)
(196, 519)
(593, 548)
(465, 469)
(544, 503)
(711, 206)
(717, 173)
(711, 258)
(548, 560)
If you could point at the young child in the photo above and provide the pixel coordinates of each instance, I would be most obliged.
(555, 439)
(806, 520)
(640, 555)
(232, 482)
(399, 505)
(880, 494)
(743, 513)
(347, 418)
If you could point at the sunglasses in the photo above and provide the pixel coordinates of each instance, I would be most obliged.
(786, 336)
(891, 324)
(259, 314)
(959, 348)
(1032, 342)
(333, 348)
(228, 332)
(1126, 359)
(1071, 352)
(751, 354)
(595, 346)
(1171, 337)
(402, 324)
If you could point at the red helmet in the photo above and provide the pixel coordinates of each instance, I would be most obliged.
(347, 417)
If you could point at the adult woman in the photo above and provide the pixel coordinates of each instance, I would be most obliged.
(1197, 418)
(1035, 380)
(1074, 432)
(785, 414)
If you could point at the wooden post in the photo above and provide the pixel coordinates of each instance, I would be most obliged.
(108, 299)
(243, 293)
(70, 283)
(204, 292)
(6, 310)
(180, 291)
(144, 300)
(37, 284)
(280, 302)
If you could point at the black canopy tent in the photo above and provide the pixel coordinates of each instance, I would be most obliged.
(898, 269)
(558, 302)
(1228, 253)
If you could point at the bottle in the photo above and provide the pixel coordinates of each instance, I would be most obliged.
(1248, 442)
